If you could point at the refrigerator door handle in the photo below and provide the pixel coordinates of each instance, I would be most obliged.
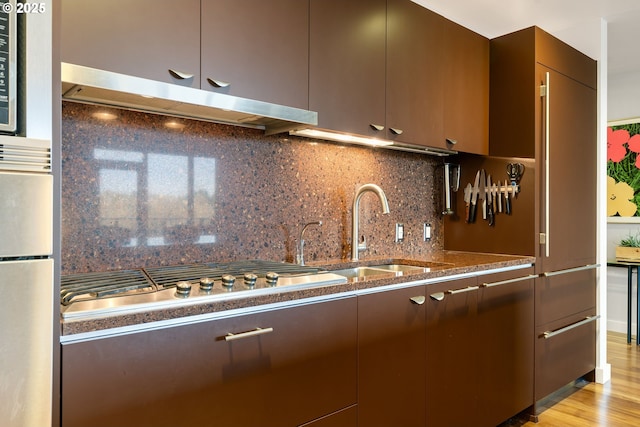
(545, 93)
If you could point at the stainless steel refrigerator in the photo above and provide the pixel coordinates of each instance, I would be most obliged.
(26, 282)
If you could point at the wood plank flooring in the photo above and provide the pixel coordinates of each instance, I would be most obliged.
(614, 404)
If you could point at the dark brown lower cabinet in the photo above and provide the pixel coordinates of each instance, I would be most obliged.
(285, 367)
(391, 358)
(453, 347)
(480, 349)
(506, 346)
(565, 328)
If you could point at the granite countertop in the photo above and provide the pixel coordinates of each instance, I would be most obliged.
(441, 265)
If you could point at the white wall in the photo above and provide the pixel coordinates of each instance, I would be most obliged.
(623, 103)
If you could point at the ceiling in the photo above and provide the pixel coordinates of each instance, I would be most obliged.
(576, 22)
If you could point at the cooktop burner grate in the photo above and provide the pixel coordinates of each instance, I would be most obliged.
(88, 286)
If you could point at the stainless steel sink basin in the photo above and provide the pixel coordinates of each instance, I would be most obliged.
(391, 269)
(361, 272)
(400, 268)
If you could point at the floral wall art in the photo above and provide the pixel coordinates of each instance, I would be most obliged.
(623, 170)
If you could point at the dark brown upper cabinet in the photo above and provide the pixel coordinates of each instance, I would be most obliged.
(257, 49)
(397, 71)
(414, 75)
(232, 47)
(155, 39)
(347, 65)
(465, 69)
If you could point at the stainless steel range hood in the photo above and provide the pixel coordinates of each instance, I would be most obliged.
(90, 85)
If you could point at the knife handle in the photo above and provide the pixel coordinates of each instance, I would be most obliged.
(467, 213)
(507, 204)
(472, 212)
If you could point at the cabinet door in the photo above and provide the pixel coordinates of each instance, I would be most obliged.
(347, 64)
(452, 349)
(257, 49)
(192, 376)
(565, 351)
(414, 74)
(571, 216)
(506, 351)
(466, 84)
(391, 356)
(566, 308)
(145, 38)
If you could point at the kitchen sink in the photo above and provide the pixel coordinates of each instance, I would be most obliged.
(393, 269)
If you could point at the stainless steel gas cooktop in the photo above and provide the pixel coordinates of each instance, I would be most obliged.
(106, 293)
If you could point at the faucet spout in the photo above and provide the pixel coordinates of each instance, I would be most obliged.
(355, 216)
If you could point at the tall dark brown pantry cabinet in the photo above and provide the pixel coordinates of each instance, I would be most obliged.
(543, 105)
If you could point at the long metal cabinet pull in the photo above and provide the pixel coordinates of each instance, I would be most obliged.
(257, 331)
(439, 296)
(460, 291)
(505, 282)
(550, 334)
(570, 270)
(544, 91)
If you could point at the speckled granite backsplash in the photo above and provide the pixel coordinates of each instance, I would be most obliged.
(136, 193)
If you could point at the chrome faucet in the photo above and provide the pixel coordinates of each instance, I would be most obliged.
(300, 255)
(355, 217)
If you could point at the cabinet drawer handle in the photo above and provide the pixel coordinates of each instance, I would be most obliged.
(180, 75)
(396, 131)
(505, 282)
(451, 141)
(257, 331)
(217, 83)
(463, 290)
(550, 334)
(418, 300)
(376, 127)
(570, 270)
(439, 296)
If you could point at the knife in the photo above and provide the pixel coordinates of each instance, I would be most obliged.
(507, 200)
(474, 198)
(467, 199)
(499, 196)
(483, 193)
(490, 201)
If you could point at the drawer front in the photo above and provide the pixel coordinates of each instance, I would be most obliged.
(565, 351)
(273, 368)
(563, 295)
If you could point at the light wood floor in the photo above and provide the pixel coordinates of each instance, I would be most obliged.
(614, 404)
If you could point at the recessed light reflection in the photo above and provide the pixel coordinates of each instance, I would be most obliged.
(174, 124)
(104, 115)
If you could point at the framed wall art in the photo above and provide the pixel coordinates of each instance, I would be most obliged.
(623, 171)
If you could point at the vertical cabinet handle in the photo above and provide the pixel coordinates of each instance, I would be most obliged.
(546, 94)
(252, 333)
(180, 74)
(217, 83)
(418, 300)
